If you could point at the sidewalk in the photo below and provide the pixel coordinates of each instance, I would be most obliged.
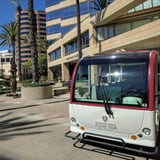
(8, 99)
(32, 130)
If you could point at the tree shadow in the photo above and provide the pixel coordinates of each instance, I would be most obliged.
(22, 126)
(17, 108)
(2, 157)
(4, 115)
(30, 106)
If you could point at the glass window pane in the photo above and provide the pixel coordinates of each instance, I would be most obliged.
(139, 7)
(156, 3)
(155, 17)
(66, 29)
(140, 23)
(85, 40)
(84, 8)
(55, 54)
(131, 10)
(147, 4)
(100, 35)
(106, 33)
(110, 31)
(121, 28)
(122, 81)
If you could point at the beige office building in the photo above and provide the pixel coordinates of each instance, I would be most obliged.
(123, 25)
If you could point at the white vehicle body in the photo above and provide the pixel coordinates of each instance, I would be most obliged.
(118, 99)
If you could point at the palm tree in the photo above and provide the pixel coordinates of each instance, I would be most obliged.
(17, 3)
(33, 46)
(79, 43)
(8, 38)
(42, 45)
(99, 5)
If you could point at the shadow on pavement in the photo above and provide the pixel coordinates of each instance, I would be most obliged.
(16, 108)
(30, 106)
(22, 126)
(114, 152)
(57, 101)
(4, 115)
(2, 157)
(103, 150)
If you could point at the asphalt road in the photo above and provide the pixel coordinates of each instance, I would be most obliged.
(35, 131)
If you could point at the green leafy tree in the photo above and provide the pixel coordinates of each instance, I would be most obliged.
(42, 65)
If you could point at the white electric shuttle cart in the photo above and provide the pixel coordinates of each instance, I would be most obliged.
(114, 98)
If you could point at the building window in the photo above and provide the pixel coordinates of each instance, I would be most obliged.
(85, 40)
(41, 19)
(42, 29)
(24, 18)
(52, 41)
(145, 5)
(25, 23)
(156, 3)
(24, 14)
(25, 28)
(69, 12)
(25, 47)
(52, 2)
(66, 29)
(26, 56)
(42, 24)
(53, 15)
(24, 33)
(140, 23)
(106, 32)
(53, 29)
(23, 52)
(56, 54)
(41, 15)
(121, 28)
(71, 47)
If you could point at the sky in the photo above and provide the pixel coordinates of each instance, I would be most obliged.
(7, 11)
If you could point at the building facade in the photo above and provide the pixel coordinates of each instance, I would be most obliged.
(123, 25)
(5, 63)
(24, 32)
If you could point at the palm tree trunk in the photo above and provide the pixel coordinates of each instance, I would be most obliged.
(79, 42)
(33, 46)
(14, 70)
(19, 42)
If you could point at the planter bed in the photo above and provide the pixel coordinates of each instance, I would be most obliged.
(36, 93)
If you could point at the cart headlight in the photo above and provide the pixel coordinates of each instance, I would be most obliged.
(147, 131)
(73, 119)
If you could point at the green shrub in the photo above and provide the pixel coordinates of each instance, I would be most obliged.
(35, 84)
